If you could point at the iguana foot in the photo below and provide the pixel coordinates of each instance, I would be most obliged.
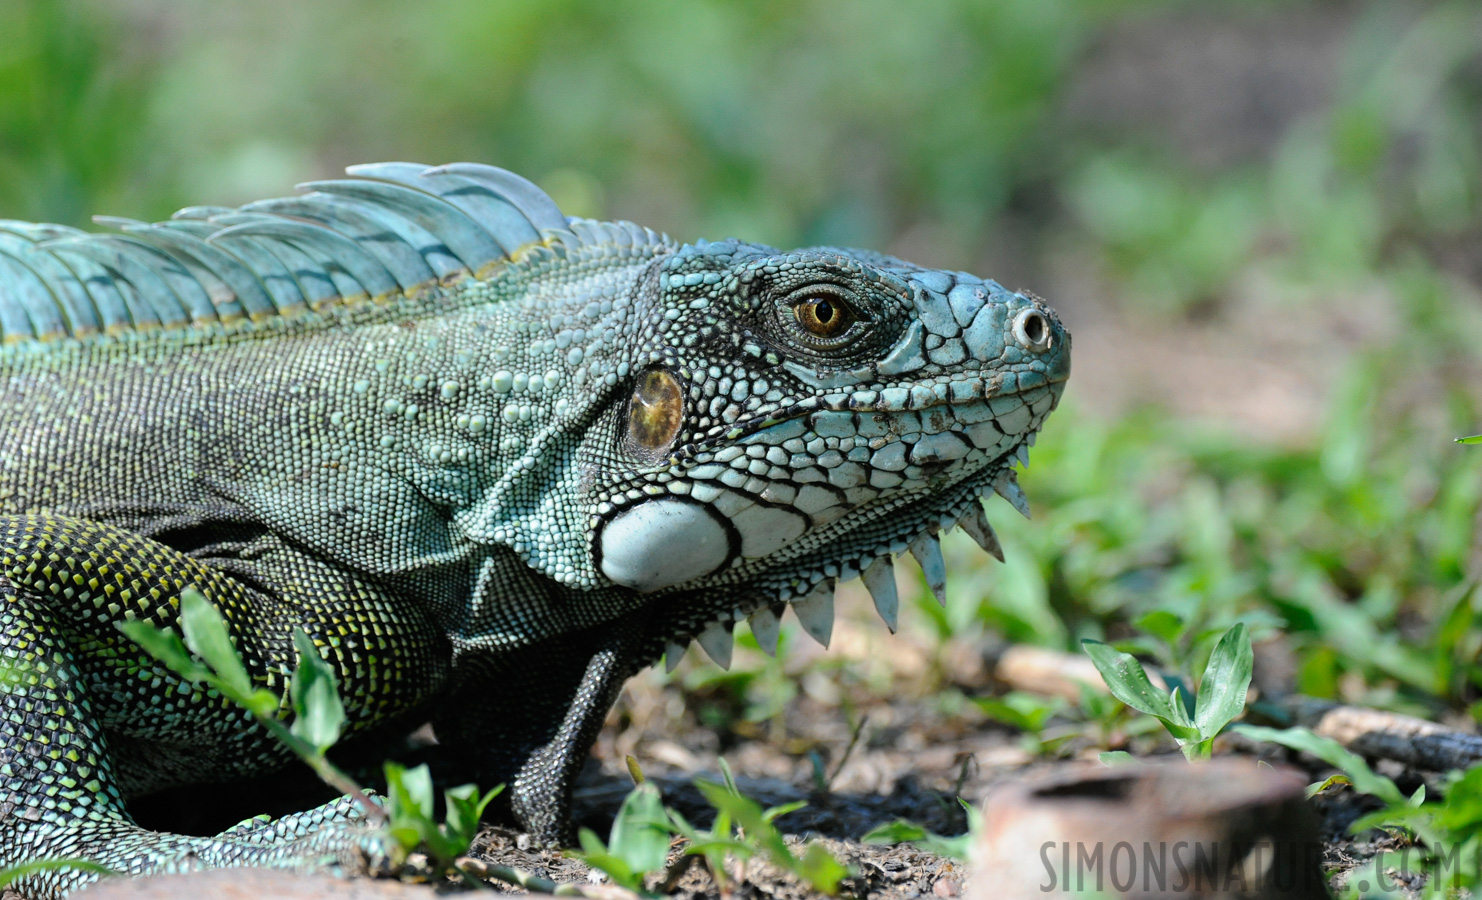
(330, 839)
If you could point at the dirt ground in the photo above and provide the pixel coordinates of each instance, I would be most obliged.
(907, 752)
(910, 761)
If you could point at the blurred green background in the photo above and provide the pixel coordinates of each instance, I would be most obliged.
(1261, 220)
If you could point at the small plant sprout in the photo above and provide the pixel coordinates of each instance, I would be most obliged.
(411, 823)
(1355, 771)
(207, 656)
(1449, 831)
(1029, 713)
(319, 716)
(638, 844)
(1193, 719)
(904, 831)
(756, 833)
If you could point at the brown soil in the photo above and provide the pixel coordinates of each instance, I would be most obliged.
(912, 757)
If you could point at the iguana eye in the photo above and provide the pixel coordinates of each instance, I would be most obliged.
(823, 316)
(655, 412)
(826, 318)
(829, 316)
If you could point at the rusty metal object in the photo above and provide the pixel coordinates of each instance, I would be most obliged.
(1226, 828)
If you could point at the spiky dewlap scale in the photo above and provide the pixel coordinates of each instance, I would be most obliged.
(492, 460)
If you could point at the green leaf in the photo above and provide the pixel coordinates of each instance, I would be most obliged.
(725, 774)
(1129, 683)
(1463, 810)
(713, 845)
(1161, 624)
(465, 809)
(1317, 787)
(417, 783)
(1116, 758)
(319, 716)
(1018, 709)
(262, 703)
(639, 833)
(409, 809)
(1226, 680)
(1474, 439)
(1194, 750)
(596, 855)
(773, 813)
(1127, 679)
(207, 635)
(747, 813)
(408, 837)
(901, 831)
(1391, 817)
(166, 647)
(820, 870)
(409, 795)
(1183, 710)
(1096, 705)
(1364, 779)
(904, 831)
(1178, 703)
(738, 848)
(639, 842)
(11, 873)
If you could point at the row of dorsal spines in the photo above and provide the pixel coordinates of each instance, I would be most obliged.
(388, 231)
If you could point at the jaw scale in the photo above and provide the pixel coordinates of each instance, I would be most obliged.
(815, 609)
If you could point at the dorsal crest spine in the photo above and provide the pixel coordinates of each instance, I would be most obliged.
(389, 230)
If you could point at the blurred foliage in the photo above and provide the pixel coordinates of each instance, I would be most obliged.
(1027, 137)
(782, 121)
(1362, 552)
(939, 129)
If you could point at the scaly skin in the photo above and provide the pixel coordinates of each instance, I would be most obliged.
(491, 460)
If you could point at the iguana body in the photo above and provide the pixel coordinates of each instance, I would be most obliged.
(493, 461)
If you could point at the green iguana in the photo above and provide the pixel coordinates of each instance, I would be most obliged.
(491, 459)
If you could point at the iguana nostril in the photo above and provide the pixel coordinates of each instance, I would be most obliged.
(655, 411)
(1032, 331)
(1034, 328)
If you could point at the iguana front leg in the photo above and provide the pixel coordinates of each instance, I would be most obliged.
(529, 717)
(75, 691)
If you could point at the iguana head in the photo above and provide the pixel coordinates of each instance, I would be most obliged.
(797, 417)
